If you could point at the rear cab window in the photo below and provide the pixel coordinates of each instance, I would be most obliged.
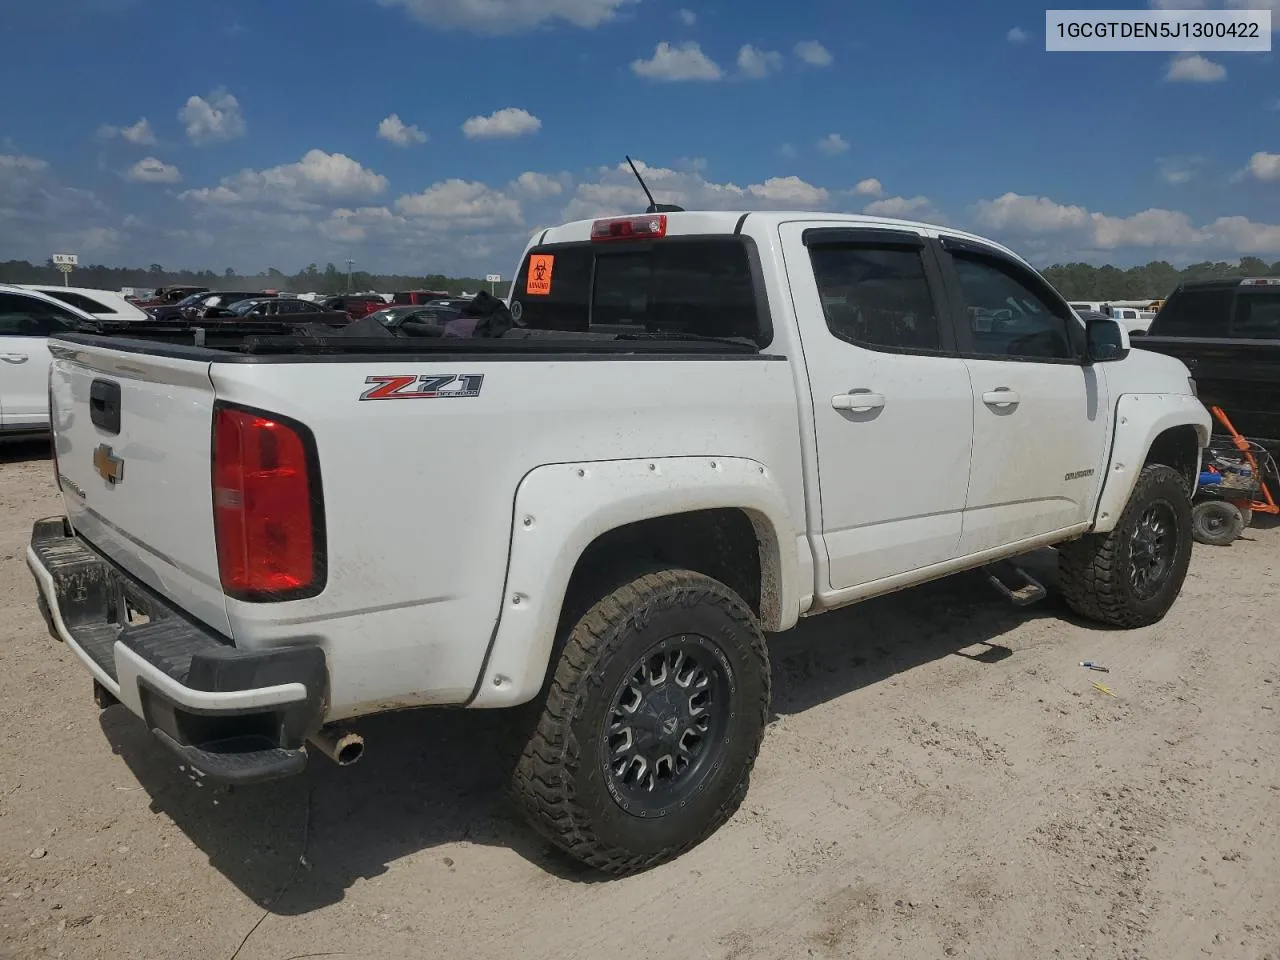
(699, 286)
(1195, 312)
(1257, 314)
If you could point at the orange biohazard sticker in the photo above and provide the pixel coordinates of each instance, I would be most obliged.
(540, 267)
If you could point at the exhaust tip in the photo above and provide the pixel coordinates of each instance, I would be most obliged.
(341, 747)
(350, 752)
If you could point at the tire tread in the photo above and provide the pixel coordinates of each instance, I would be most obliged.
(1089, 571)
(543, 780)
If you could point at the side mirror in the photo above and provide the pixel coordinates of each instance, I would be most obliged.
(1108, 340)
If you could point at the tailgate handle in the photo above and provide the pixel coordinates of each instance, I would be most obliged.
(104, 405)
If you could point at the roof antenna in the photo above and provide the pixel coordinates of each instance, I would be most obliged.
(654, 206)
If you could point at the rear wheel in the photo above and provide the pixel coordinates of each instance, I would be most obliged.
(651, 724)
(1131, 576)
(1217, 522)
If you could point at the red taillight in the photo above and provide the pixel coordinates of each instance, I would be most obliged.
(266, 514)
(647, 227)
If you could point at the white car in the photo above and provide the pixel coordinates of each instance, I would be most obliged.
(103, 304)
(689, 429)
(27, 317)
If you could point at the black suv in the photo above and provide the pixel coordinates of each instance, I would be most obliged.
(1227, 332)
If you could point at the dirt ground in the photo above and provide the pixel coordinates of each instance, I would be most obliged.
(941, 779)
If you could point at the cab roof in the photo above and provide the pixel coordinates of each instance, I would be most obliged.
(703, 222)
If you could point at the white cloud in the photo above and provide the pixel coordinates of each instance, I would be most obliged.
(1023, 214)
(685, 61)
(151, 170)
(1272, 5)
(813, 53)
(394, 130)
(216, 118)
(833, 144)
(353, 226)
(1193, 68)
(756, 63)
(98, 239)
(1176, 171)
(509, 16)
(903, 208)
(1243, 236)
(1178, 4)
(507, 122)
(871, 187)
(1150, 228)
(687, 17)
(38, 214)
(139, 133)
(1023, 218)
(789, 191)
(1265, 166)
(788, 150)
(615, 191)
(304, 185)
(462, 203)
(20, 163)
(538, 186)
(1017, 35)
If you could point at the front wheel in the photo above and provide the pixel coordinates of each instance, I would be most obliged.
(651, 724)
(1131, 576)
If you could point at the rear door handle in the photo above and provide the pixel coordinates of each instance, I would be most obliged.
(857, 402)
(1003, 397)
(14, 357)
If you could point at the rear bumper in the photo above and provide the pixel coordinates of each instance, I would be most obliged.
(238, 716)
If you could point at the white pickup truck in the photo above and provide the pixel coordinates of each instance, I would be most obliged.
(703, 427)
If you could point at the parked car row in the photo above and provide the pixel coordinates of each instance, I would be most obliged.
(31, 312)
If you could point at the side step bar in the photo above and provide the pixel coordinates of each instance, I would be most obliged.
(1018, 587)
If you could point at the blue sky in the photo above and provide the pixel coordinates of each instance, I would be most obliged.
(435, 135)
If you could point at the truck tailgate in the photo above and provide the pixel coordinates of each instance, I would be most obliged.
(132, 434)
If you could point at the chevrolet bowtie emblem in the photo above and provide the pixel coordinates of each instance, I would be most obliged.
(109, 466)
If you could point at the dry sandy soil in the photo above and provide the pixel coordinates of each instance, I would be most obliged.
(941, 779)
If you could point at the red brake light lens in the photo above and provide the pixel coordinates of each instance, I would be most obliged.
(265, 508)
(648, 227)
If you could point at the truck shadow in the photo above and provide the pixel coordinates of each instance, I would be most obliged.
(25, 449)
(435, 777)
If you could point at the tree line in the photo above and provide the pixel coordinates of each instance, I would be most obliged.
(310, 279)
(1075, 281)
(1154, 281)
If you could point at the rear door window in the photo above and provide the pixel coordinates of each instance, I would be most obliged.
(877, 297)
(87, 304)
(28, 317)
(702, 287)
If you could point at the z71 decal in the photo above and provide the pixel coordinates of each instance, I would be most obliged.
(414, 386)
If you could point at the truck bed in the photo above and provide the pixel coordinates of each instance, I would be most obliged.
(417, 494)
(1241, 376)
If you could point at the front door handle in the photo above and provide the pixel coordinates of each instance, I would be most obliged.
(1004, 397)
(14, 357)
(857, 402)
